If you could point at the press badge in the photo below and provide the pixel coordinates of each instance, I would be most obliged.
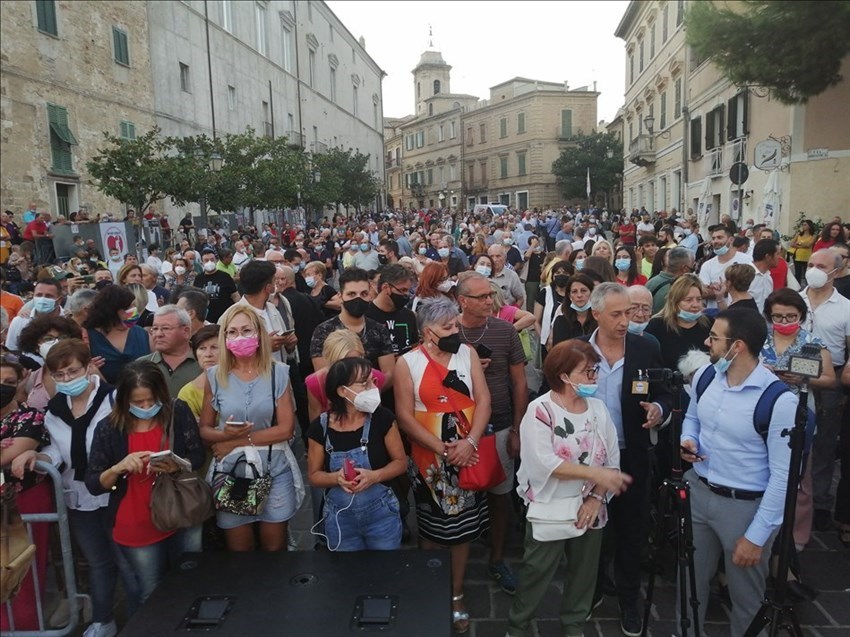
(640, 386)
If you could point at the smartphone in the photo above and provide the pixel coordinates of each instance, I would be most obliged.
(235, 423)
(161, 455)
(88, 278)
(688, 451)
(348, 471)
(483, 351)
(288, 332)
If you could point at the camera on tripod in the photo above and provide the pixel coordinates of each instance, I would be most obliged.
(807, 363)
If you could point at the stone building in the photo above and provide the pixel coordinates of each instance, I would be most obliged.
(68, 72)
(687, 125)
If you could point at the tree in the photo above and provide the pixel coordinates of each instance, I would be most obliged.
(793, 48)
(133, 171)
(589, 151)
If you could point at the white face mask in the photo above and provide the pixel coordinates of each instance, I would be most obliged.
(180, 270)
(816, 279)
(445, 286)
(44, 348)
(209, 266)
(367, 401)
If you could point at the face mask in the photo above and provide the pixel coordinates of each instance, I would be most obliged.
(689, 317)
(622, 264)
(364, 247)
(719, 252)
(637, 328)
(399, 300)
(445, 286)
(73, 387)
(310, 281)
(132, 320)
(582, 308)
(145, 414)
(815, 278)
(180, 270)
(115, 258)
(7, 394)
(383, 259)
(592, 232)
(209, 266)
(688, 232)
(484, 270)
(561, 280)
(243, 346)
(786, 329)
(43, 305)
(102, 284)
(356, 307)
(366, 401)
(723, 364)
(423, 251)
(353, 247)
(507, 242)
(582, 390)
(450, 343)
(443, 252)
(44, 348)
(579, 263)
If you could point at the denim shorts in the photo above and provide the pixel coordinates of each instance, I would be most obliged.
(373, 526)
(280, 505)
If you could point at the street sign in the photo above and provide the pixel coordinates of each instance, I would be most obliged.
(768, 154)
(739, 173)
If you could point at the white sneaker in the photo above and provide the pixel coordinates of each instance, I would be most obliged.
(99, 629)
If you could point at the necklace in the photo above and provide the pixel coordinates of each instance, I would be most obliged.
(466, 338)
(558, 400)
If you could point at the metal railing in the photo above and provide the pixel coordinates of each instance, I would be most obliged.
(61, 518)
(715, 162)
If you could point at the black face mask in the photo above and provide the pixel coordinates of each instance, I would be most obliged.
(561, 280)
(7, 394)
(450, 344)
(102, 284)
(399, 300)
(383, 259)
(356, 307)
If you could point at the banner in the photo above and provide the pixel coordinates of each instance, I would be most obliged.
(588, 182)
(114, 237)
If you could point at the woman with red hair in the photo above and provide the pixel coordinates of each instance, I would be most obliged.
(434, 282)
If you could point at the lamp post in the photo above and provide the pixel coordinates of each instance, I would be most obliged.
(610, 155)
(213, 165)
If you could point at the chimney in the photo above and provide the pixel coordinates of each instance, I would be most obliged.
(362, 41)
(594, 86)
(566, 86)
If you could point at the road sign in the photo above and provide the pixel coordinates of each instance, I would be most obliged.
(739, 173)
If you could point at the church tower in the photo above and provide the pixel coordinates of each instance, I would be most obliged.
(430, 77)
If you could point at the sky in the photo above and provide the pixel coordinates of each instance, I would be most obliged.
(487, 43)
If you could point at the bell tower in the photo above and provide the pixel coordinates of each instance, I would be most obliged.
(430, 77)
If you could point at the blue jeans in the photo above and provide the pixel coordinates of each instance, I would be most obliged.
(150, 563)
(94, 537)
(375, 526)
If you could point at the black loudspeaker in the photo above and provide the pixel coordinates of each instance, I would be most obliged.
(316, 593)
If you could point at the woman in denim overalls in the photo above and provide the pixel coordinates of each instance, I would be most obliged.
(362, 513)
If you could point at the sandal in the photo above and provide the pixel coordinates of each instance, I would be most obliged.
(460, 618)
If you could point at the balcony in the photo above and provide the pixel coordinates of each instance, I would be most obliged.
(642, 150)
(318, 148)
(295, 139)
(715, 162)
(736, 151)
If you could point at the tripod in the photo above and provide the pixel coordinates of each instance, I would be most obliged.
(675, 496)
(775, 610)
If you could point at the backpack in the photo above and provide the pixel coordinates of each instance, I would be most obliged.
(764, 406)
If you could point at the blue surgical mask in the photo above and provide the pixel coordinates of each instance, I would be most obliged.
(689, 316)
(364, 247)
(637, 328)
(719, 252)
(423, 251)
(583, 390)
(43, 305)
(483, 270)
(507, 242)
(310, 281)
(73, 387)
(579, 263)
(622, 264)
(723, 364)
(443, 252)
(582, 308)
(145, 414)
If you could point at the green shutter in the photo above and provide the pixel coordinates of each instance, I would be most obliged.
(61, 138)
(520, 123)
(566, 123)
(45, 11)
(122, 52)
(503, 127)
(503, 165)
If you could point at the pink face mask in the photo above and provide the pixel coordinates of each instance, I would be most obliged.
(243, 346)
(786, 329)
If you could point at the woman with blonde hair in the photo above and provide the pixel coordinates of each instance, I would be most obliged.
(129, 273)
(681, 325)
(247, 418)
(315, 275)
(603, 248)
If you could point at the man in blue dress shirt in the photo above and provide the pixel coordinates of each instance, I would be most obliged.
(738, 480)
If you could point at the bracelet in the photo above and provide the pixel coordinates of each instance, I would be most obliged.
(471, 441)
(445, 452)
(596, 496)
(250, 442)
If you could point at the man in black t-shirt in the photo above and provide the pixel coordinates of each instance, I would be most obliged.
(388, 308)
(218, 286)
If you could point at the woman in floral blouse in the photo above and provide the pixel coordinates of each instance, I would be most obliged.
(570, 456)
(22, 429)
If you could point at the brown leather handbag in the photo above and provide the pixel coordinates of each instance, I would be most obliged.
(16, 551)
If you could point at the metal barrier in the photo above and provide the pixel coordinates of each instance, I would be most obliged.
(61, 517)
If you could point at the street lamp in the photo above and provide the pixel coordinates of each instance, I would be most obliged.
(609, 153)
(649, 125)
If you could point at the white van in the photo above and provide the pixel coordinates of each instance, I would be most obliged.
(492, 210)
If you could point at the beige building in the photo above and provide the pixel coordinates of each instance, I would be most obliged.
(458, 150)
(687, 125)
(69, 72)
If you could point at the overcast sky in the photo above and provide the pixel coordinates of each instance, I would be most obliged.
(489, 42)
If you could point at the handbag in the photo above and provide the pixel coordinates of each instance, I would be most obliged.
(17, 552)
(179, 500)
(488, 471)
(242, 496)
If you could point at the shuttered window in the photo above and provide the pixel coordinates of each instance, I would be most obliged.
(128, 130)
(45, 12)
(566, 123)
(61, 138)
(122, 51)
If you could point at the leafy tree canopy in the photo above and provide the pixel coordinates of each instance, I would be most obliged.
(793, 48)
(589, 151)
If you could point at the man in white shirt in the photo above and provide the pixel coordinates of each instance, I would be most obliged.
(240, 255)
(765, 255)
(711, 272)
(46, 296)
(508, 280)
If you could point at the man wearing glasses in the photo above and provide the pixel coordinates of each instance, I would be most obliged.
(172, 353)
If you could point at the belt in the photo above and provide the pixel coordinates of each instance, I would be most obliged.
(735, 494)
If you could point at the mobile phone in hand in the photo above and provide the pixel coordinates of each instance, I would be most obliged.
(348, 471)
(483, 351)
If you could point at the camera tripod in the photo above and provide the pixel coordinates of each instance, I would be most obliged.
(775, 609)
(675, 497)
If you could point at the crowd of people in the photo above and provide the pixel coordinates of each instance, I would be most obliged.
(388, 348)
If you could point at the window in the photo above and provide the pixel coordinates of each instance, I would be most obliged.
(440, 133)
(677, 102)
(333, 83)
(520, 162)
(469, 140)
(420, 138)
(45, 12)
(665, 22)
(663, 123)
(185, 80)
(311, 63)
(227, 15)
(436, 87)
(452, 130)
(503, 127)
(286, 43)
(652, 41)
(120, 49)
(736, 126)
(452, 172)
(61, 138)
(631, 68)
(262, 38)
(309, 10)
(696, 137)
(714, 128)
(520, 123)
(231, 97)
(331, 32)
(354, 99)
(641, 48)
(430, 109)
(430, 177)
(680, 12)
(127, 131)
(290, 119)
(566, 123)
(503, 167)
(482, 132)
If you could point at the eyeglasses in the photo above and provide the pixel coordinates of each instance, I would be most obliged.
(641, 309)
(591, 372)
(713, 338)
(784, 318)
(480, 297)
(246, 332)
(63, 376)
